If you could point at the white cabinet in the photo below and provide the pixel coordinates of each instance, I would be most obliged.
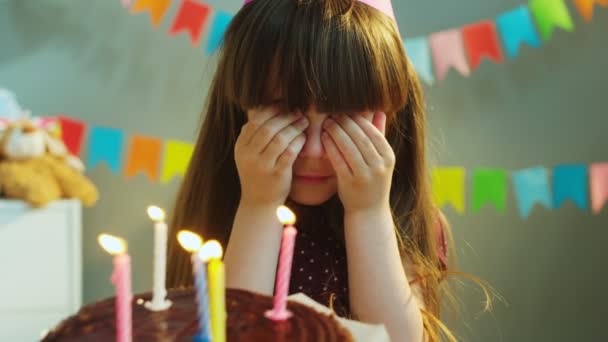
(40, 267)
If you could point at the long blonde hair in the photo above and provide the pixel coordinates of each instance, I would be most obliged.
(341, 56)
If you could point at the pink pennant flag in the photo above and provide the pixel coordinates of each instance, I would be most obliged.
(448, 52)
(598, 174)
(126, 3)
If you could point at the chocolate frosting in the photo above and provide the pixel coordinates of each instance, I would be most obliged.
(246, 321)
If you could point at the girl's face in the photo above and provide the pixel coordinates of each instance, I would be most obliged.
(314, 179)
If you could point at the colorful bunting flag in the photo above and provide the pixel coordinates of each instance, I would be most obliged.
(448, 187)
(216, 37)
(177, 158)
(481, 40)
(550, 14)
(419, 52)
(489, 186)
(516, 27)
(599, 186)
(585, 7)
(157, 9)
(531, 187)
(191, 17)
(105, 145)
(448, 52)
(144, 156)
(570, 182)
(126, 3)
(72, 133)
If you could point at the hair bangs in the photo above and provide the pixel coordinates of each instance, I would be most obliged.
(297, 54)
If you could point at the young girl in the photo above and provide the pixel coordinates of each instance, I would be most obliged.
(315, 104)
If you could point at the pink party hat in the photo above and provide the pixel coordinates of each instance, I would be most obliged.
(384, 6)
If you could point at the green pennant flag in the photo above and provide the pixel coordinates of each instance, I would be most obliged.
(550, 14)
(489, 186)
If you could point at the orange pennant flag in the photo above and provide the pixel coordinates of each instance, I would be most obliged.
(586, 7)
(191, 17)
(144, 156)
(157, 9)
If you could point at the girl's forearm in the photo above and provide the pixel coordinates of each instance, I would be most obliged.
(253, 249)
(378, 286)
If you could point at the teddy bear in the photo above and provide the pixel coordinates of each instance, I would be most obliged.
(36, 167)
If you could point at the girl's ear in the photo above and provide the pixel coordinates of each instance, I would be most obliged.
(379, 121)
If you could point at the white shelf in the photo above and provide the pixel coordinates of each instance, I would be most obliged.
(41, 267)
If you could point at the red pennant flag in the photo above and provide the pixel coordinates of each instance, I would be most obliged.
(157, 9)
(191, 17)
(72, 133)
(144, 156)
(481, 40)
(586, 7)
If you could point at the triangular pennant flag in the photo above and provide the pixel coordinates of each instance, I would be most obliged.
(481, 40)
(570, 182)
(448, 52)
(550, 14)
(220, 24)
(105, 145)
(144, 156)
(599, 185)
(489, 186)
(531, 187)
(448, 187)
(177, 158)
(191, 17)
(419, 52)
(516, 27)
(157, 9)
(72, 134)
(585, 7)
(126, 3)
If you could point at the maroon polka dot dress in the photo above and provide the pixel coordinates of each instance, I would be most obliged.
(319, 269)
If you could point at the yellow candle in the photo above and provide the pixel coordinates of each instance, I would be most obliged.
(211, 252)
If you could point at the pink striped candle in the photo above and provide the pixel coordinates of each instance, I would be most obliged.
(279, 311)
(121, 278)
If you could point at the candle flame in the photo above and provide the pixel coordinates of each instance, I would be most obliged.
(156, 213)
(112, 244)
(286, 216)
(189, 241)
(210, 250)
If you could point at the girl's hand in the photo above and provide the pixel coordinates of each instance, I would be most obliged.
(362, 158)
(265, 151)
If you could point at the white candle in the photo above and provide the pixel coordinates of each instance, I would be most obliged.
(159, 294)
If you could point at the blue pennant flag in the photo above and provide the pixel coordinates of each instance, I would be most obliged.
(218, 28)
(531, 187)
(571, 182)
(516, 27)
(106, 145)
(419, 52)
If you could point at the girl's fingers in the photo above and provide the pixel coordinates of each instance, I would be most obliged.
(282, 140)
(376, 136)
(289, 155)
(345, 145)
(361, 140)
(335, 156)
(268, 131)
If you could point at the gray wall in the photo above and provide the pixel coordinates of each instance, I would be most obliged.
(92, 60)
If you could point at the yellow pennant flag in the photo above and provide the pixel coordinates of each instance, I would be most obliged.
(157, 9)
(585, 7)
(448, 187)
(177, 158)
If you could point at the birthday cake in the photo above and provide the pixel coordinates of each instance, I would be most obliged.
(246, 321)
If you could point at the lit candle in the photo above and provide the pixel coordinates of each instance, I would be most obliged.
(121, 278)
(159, 294)
(192, 243)
(279, 311)
(211, 252)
